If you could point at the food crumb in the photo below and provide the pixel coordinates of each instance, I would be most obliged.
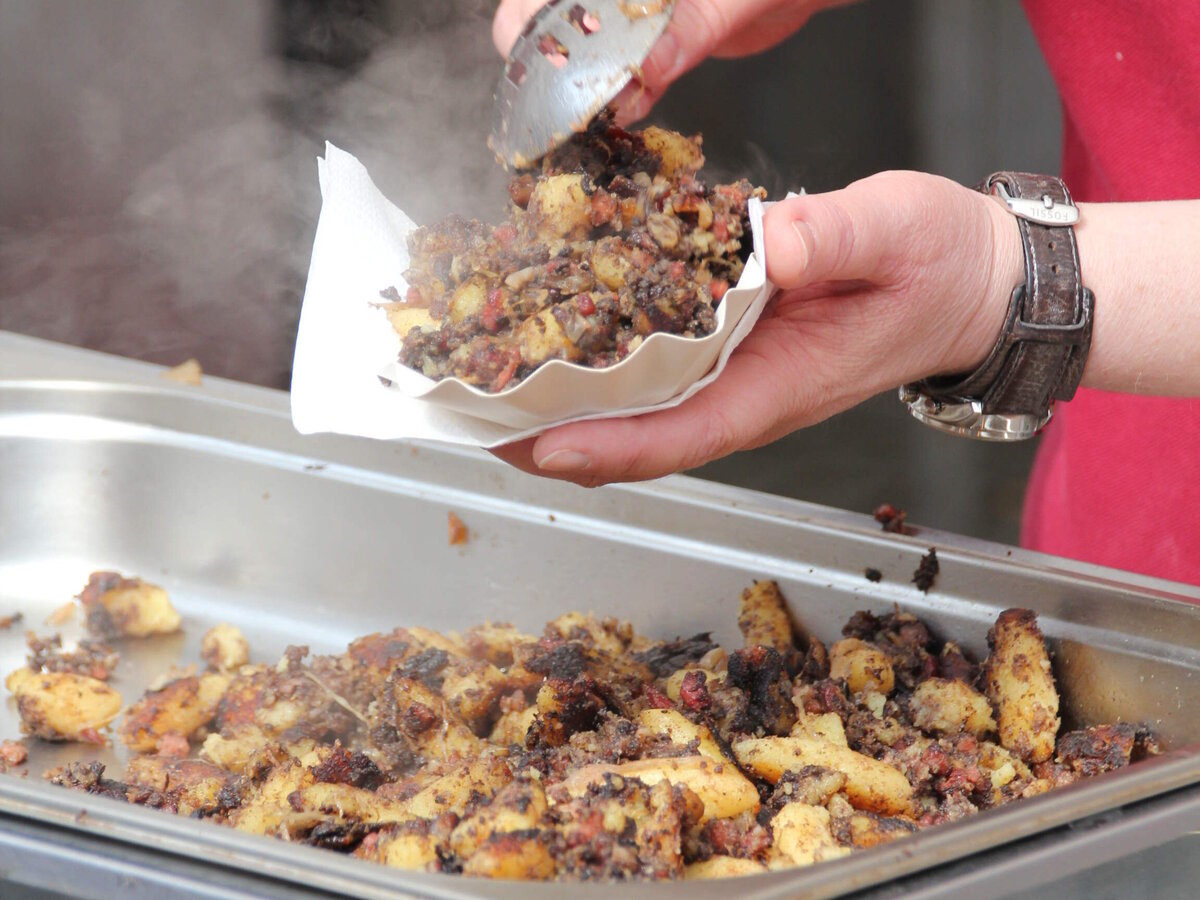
(62, 614)
(174, 745)
(187, 372)
(873, 575)
(892, 519)
(458, 532)
(12, 753)
(10, 620)
(927, 571)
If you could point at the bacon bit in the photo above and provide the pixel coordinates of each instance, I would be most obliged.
(586, 305)
(173, 744)
(506, 374)
(505, 234)
(13, 753)
(693, 691)
(891, 518)
(368, 844)
(656, 699)
(63, 614)
(604, 208)
(678, 269)
(718, 288)
(458, 532)
(493, 310)
(412, 296)
(720, 230)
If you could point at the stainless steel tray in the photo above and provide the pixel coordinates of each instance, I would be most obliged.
(209, 492)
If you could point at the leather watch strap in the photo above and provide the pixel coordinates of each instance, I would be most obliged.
(1041, 352)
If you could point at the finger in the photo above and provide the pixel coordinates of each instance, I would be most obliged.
(847, 235)
(518, 454)
(510, 18)
(744, 403)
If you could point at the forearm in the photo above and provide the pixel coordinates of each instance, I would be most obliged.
(1142, 261)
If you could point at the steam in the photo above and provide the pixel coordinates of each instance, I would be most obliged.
(175, 204)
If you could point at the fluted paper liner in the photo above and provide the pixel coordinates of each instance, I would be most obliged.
(346, 377)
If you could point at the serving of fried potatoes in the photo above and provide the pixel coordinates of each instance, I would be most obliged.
(587, 751)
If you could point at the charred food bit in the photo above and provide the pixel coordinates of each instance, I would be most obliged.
(615, 239)
(927, 571)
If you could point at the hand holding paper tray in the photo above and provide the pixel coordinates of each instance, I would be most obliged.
(345, 344)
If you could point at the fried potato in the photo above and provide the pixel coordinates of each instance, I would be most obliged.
(722, 867)
(518, 806)
(559, 207)
(680, 154)
(870, 784)
(869, 830)
(681, 730)
(129, 607)
(764, 620)
(408, 846)
(405, 318)
(949, 706)
(182, 707)
(224, 647)
(541, 337)
(863, 666)
(63, 706)
(197, 786)
(1020, 684)
(511, 728)
(803, 836)
(724, 790)
(511, 855)
(479, 778)
(825, 726)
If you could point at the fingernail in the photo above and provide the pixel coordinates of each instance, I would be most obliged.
(804, 249)
(665, 60)
(564, 461)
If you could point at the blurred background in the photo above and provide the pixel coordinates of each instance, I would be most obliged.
(158, 191)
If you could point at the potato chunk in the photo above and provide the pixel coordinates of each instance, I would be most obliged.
(224, 647)
(870, 784)
(947, 706)
(182, 707)
(723, 867)
(863, 666)
(1020, 685)
(803, 836)
(764, 619)
(680, 155)
(559, 207)
(127, 607)
(63, 706)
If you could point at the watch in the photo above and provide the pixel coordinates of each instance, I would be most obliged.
(1040, 354)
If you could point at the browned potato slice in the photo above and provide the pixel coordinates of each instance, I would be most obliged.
(803, 836)
(764, 620)
(451, 792)
(411, 847)
(405, 318)
(63, 706)
(863, 666)
(680, 154)
(870, 784)
(682, 731)
(518, 806)
(724, 790)
(224, 647)
(722, 867)
(949, 706)
(468, 299)
(512, 855)
(1020, 685)
(182, 707)
(197, 786)
(127, 607)
(541, 337)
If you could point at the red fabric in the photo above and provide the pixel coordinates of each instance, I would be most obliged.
(1117, 478)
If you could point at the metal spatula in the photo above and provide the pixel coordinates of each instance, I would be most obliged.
(571, 60)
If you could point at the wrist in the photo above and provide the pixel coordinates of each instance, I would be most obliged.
(1005, 269)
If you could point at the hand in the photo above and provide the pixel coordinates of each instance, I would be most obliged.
(698, 29)
(895, 278)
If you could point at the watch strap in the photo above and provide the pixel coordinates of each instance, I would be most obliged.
(1043, 345)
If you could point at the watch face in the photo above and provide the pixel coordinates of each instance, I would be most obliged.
(966, 418)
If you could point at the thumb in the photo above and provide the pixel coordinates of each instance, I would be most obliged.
(846, 235)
